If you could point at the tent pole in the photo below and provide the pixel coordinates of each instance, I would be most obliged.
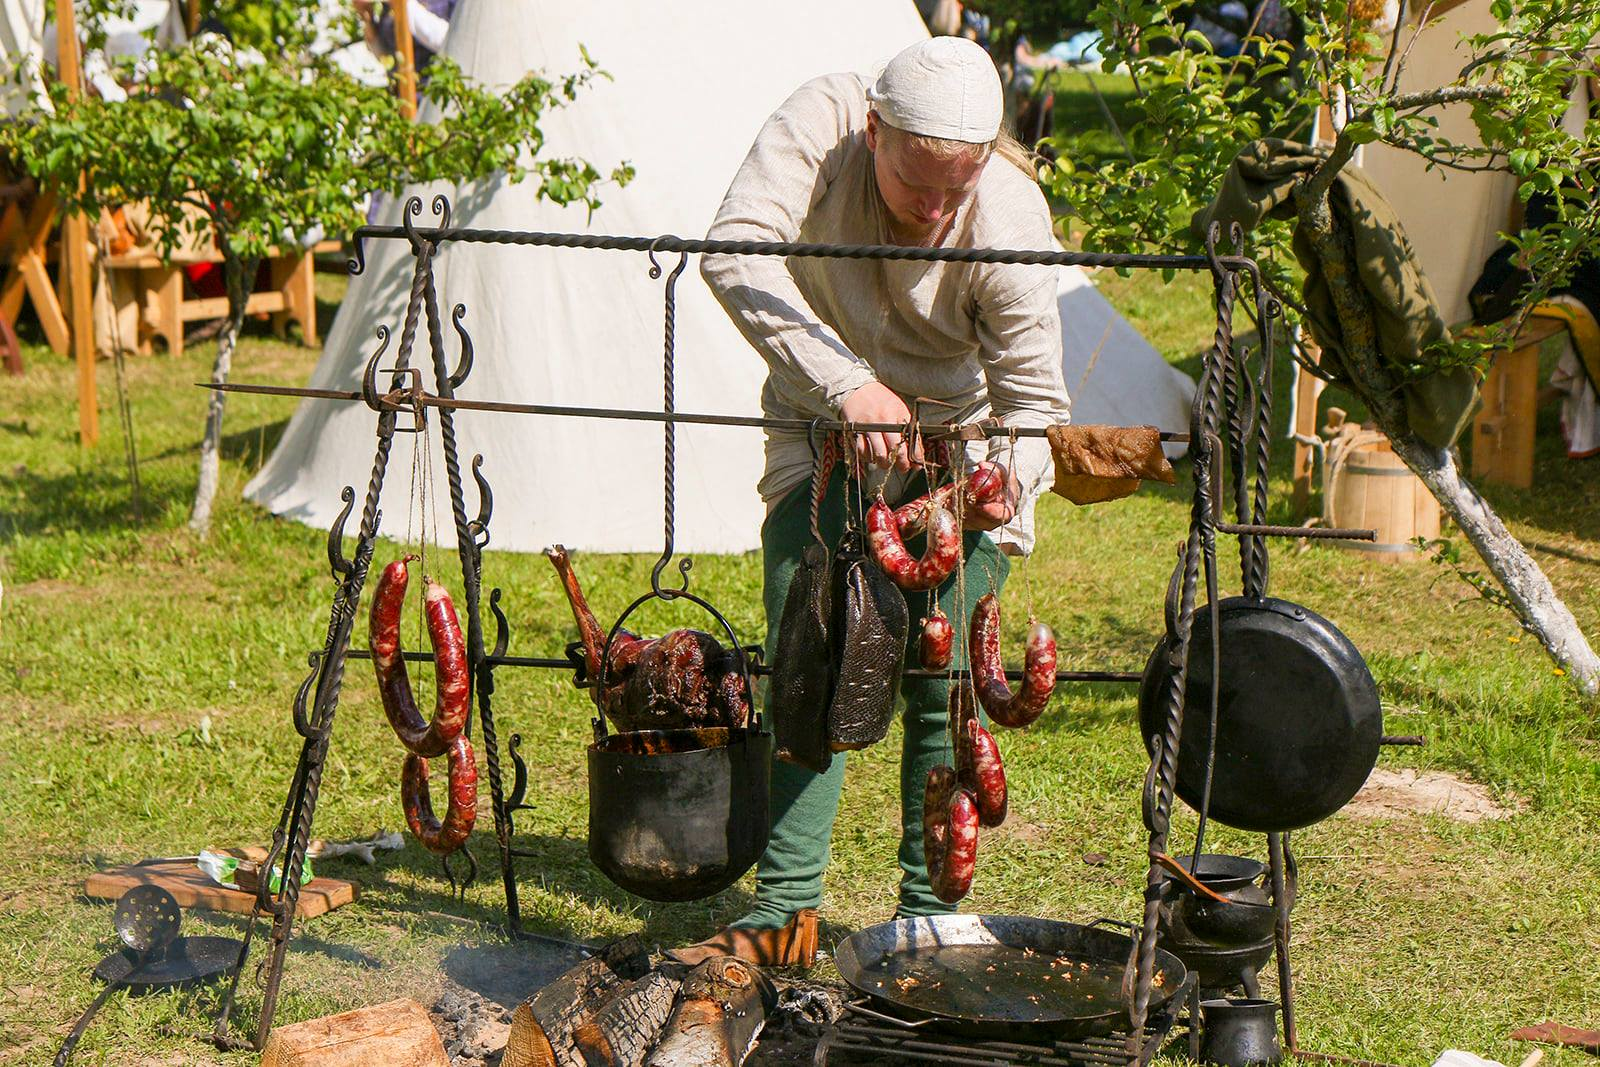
(75, 245)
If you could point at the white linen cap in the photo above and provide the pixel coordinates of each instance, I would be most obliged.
(942, 87)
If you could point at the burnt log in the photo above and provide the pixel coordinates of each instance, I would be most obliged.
(546, 1028)
(720, 1012)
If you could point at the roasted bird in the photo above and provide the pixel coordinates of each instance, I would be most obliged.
(680, 680)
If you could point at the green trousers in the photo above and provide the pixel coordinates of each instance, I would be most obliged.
(804, 804)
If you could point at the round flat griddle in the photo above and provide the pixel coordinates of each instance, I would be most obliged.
(1298, 718)
(187, 961)
(989, 974)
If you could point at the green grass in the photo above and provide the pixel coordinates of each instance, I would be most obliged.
(147, 681)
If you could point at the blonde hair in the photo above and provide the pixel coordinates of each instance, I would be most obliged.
(944, 148)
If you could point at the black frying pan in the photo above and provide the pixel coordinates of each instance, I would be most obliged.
(989, 975)
(1298, 718)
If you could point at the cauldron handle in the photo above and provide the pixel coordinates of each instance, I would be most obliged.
(754, 724)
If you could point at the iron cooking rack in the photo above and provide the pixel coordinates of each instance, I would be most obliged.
(1227, 401)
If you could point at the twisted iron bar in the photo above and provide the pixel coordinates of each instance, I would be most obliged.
(313, 752)
(466, 543)
(669, 454)
(1161, 779)
(814, 250)
(1255, 574)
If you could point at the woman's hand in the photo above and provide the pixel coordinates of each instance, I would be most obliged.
(876, 402)
(997, 512)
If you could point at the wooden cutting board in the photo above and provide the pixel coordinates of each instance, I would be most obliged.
(191, 888)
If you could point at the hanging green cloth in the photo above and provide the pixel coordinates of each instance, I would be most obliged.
(1412, 334)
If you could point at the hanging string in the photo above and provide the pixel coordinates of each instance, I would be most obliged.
(963, 620)
(1023, 566)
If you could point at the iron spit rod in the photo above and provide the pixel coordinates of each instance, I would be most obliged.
(764, 669)
(1320, 533)
(967, 431)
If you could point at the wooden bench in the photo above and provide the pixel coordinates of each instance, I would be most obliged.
(289, 296)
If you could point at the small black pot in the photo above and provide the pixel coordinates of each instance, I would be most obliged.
(678, 814)
(1239, 1033)
(1245, 918)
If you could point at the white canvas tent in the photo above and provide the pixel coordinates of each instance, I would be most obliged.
(690, 83)
(1452, 218)
(21, 44)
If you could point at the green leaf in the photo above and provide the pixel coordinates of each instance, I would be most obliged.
(1360, 132)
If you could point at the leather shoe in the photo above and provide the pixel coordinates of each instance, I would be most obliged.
(791, 945)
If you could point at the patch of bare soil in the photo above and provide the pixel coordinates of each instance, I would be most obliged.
(1406, 792)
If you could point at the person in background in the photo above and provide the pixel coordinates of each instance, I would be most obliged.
(430, 22)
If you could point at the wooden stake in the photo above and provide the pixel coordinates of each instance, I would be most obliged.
(75, 246)
(405, 58)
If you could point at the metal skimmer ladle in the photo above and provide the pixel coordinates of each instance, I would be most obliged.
(147, 920)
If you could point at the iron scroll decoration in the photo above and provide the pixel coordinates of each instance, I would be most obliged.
(317, 700)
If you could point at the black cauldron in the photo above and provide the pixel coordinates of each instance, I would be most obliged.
(678, 814)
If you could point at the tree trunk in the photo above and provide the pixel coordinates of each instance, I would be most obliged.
(1531, 593)
(237, 275)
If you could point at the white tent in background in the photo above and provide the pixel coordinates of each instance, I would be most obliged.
(690, 83)
(1452, 218)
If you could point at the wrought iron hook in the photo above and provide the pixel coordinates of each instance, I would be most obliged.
(341, 567)
(502, 628)
(369, 377)
(479, 527)
(464, 366)
(302, 697)
(458, 886)
(357, 263)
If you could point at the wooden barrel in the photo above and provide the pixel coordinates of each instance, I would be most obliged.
(1367, 486)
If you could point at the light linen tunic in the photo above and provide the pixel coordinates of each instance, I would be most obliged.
(981, 338)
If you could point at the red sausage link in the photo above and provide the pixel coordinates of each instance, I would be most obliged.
(988, 672)
(890, 553)
(453, 681)
(936, 792)
(983, 485)
(935, 646)
(442, 838)
(961, 856)
(978, 766)
(980, 770)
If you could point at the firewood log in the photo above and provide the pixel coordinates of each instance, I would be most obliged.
(395, 1034)
(544, 1027)
(719, 1014)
